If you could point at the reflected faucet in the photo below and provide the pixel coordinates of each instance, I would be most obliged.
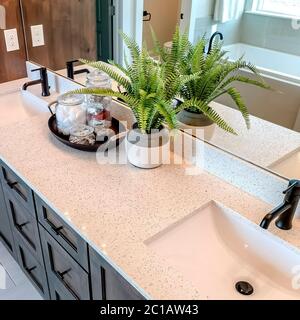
(43, 81)
(70, 69)
(286, 211)
(212, 38)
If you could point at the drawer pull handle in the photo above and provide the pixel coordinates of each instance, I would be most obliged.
(62, 274)
(12, 184)
(21, 226)
(29, 270)
(57, 230)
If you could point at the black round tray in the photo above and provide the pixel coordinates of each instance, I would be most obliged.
(116, 126)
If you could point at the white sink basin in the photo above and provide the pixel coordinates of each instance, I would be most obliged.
(289, 166)
(215, 248)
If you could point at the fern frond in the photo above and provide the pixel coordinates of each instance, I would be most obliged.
(132, 46)
(209, 113)
(237, 98)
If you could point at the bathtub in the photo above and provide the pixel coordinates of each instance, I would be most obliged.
(282, 72)
(272, 64)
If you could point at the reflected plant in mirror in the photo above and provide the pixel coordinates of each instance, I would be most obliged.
(216, 78)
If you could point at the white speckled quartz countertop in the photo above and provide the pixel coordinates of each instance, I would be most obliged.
(118, 207)
(264, 144)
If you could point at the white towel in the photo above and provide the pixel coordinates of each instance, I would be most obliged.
(227, 10)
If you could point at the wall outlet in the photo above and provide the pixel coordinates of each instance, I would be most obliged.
(11, 40)
(37, 35)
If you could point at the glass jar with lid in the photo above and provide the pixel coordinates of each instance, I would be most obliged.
(70, 111)
(98, 106)
(82, 134)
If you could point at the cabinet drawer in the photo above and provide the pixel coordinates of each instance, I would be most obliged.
(12, 183)
(61, 266)
(23, 224)
(108, 283)
(62, 233)
(33, 269)
(59, 292)
(6, 236)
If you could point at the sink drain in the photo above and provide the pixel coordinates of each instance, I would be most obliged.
(244, 288)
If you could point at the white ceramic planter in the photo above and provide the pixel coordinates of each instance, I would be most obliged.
(146, 150)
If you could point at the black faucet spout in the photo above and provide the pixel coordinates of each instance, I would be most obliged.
(211, 41)
(286, 211)
(31, 83)
(274, 214)
(70, 69)
(43, 81)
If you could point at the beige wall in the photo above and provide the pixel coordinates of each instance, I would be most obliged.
(165, 17)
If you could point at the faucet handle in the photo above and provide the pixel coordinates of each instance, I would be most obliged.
(292, 185)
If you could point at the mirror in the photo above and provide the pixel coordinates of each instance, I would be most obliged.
(60, 31)
(264, 32)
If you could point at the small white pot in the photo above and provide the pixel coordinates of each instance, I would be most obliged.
(146, 150)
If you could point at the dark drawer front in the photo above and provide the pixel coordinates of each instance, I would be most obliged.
(12, 183)
(23, 225)
(6, 236)
(59, 292)
(34, 270)
(107, 283)
(62, 233)
(61, 266)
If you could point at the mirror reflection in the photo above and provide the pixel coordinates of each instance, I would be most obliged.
(58, 31)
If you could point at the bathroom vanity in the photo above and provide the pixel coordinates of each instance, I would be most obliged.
(55, 257)
(82, 231)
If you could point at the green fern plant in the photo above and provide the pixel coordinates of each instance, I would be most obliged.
(147, 90)
(215, 76)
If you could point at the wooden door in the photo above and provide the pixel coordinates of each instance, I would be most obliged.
(12, 64)
(69, 30)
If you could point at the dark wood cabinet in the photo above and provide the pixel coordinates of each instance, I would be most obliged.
(6, 236)
(70, 240)
(24, 225)
(64, 269)
(17, 187)
(107, 283)
(55, 258)
(33, 268)
(58, 291)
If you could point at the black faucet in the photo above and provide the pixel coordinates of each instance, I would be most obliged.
(286, 211)
(70, 69)
(43, 81)
(211, 41)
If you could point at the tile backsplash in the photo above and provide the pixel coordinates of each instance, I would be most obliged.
(269, 32)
